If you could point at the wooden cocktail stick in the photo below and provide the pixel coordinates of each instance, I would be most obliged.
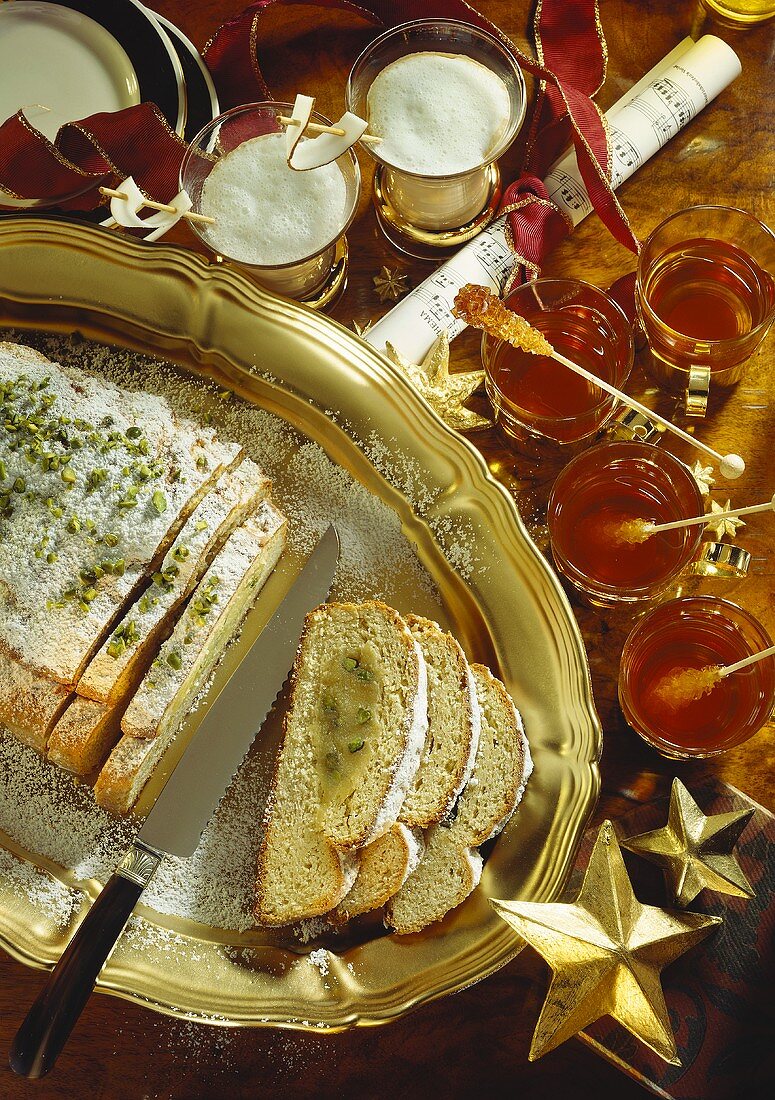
(313, 127)
(319, 128)
(165, 207)
(484, 310)
(727, 670)
(654, 528)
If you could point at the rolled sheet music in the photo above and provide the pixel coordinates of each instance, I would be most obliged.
(641, 122)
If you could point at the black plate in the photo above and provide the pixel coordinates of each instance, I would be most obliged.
(200, 90)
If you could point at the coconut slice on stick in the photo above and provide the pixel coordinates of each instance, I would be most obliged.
(295, 127)
(311, 153)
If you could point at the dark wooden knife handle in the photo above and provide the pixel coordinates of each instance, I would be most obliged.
(56, 1010)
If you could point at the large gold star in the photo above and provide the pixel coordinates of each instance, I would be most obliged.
(695, 852)
(445, 392)
(606, 951)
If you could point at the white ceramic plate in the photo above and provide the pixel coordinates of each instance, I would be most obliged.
(66, 59)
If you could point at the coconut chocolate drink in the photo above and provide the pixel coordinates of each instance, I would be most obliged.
(444, 100)
(437, 114)
(282, 223)
(265, 212)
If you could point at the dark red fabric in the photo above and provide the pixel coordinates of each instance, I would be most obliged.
(102, 149)
(105, 148)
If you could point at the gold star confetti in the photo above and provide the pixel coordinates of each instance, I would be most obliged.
(445, 392)
(695, 852)
(362, 329)
(390, 285)
(606, 951)
(703, 475)
(726, 526)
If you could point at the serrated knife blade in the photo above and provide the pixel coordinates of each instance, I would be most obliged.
(180, 813)
(185, 805)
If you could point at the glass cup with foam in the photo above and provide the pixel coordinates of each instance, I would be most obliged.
(284, 227)
(445, 100)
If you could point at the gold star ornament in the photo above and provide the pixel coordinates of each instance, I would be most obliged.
(389, 285)
(703, 475)
(695, 852)
(606, 951)
(445, 392)
(726, 526)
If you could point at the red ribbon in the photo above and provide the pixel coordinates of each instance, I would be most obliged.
(138, 142)
(102, 149)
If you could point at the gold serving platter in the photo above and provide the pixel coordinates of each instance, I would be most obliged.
(506, 607)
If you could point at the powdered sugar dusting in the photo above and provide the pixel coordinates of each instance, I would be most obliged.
(46, 894)
(49, 813)
(319, 958)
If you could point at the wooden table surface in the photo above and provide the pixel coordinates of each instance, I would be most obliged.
(476, 1041)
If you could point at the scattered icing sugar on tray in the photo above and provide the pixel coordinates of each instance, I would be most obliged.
(48, 813)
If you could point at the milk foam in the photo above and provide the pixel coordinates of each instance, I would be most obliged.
(437, 113)
(265, 212)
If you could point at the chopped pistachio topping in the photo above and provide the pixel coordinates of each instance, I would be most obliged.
(175, 659)
(159, 501)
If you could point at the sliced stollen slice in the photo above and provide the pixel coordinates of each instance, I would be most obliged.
(84, 735)
(187, 658)
(445, 767)
(30, 703)
(124, 655)
(383, 868)
(451, 865)
(454, 723)
(96, 482)
(352, 739)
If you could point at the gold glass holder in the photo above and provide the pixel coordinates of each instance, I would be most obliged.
(430, 244)
(632, 424)
(721, 559)
(697, 390)
(336, 280)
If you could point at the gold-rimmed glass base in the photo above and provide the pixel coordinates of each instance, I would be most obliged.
(430, 244)
(328, 294)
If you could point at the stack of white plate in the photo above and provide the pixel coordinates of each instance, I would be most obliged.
(62, 61)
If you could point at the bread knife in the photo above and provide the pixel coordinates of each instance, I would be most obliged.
(180, 813)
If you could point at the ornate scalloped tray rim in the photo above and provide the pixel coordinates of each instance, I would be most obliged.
(187, 287)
